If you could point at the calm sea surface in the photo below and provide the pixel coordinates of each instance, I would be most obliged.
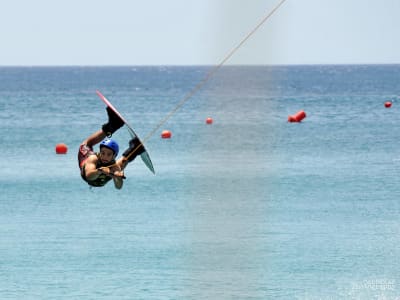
(250, 207)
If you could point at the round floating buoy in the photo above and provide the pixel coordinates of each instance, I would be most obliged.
(166, 134)
(209, 121)
(61, 148)
(300, 115)
(388, 104)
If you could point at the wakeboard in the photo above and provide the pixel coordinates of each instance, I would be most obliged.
(145, 155)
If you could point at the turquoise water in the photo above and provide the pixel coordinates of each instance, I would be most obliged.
(250, 207)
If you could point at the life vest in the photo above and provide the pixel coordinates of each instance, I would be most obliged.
(103, 178)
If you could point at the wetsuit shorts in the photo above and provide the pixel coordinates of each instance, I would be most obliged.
(84, 152)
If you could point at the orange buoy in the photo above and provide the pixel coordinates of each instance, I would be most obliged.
(166, 134)
(61, 148)
(298, 117)
(209, 121)
(388, 104)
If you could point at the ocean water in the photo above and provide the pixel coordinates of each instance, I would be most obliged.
(250, 207)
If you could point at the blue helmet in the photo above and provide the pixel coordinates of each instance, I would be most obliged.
(110, 144)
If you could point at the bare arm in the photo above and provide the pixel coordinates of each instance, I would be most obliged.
(118, 177)
(91, 172)
(115, 173)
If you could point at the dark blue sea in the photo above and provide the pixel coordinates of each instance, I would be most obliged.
(250, 207)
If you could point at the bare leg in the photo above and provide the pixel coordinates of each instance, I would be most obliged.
(95, 138)
(135, 149)
(122, 162)
(114, 123)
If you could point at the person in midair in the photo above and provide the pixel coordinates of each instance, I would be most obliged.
(97, 169)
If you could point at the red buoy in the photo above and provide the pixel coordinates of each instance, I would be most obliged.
(298, 117)
(209, 121)
(61, 148)
(166, 134)
(388, 104)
